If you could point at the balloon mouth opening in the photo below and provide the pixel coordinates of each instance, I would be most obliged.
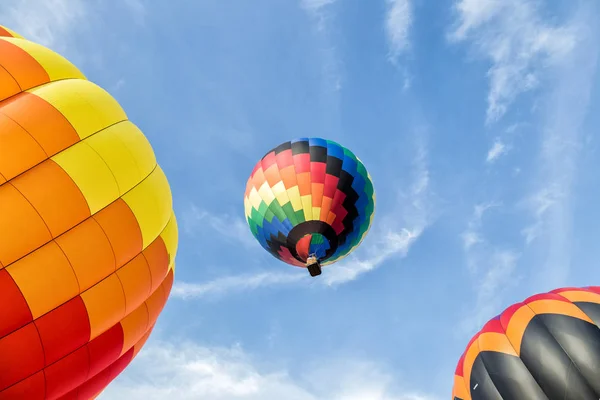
(308, 238)
(312, 244)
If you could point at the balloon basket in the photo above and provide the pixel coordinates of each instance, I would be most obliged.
(314, 269)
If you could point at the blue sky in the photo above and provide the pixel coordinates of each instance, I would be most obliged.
(477, 120)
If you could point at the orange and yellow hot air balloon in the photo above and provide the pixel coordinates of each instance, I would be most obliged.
(88, 236)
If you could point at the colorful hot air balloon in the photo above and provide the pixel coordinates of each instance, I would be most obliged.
(87, 232)
(309, 202)
(547, 347)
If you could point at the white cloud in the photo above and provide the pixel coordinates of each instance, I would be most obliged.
(539, 204)
(315, 5)
(387, 245)
(474, 13)
(236, 283)
(497, 149)
(399, 19)
(492, 269)
(321, 13)
(497, 275)
(188, 371)
(562, 115)
(520, 45)
(516, 40)
(472, 235)
(61, 25)
(471, 238)
(119, 85)
(48, 22)
(195, 221)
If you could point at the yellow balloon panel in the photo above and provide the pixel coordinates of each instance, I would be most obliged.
(56, 66)
(86, 106)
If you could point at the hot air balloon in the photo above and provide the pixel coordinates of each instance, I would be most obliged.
(87, 232)
(546, 347)
(309, 202)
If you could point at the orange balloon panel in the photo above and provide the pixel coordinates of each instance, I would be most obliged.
(88, 235)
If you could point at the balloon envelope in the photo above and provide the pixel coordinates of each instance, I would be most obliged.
(87, 232)
(546, 347)
(309, 196)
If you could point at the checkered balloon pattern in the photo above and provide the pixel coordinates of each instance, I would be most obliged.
(88, 236)
(309, 196)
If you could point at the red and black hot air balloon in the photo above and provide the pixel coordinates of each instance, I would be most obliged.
(544, 348)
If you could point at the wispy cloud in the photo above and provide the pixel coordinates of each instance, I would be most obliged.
(62, 26)
(472, 235)
(195, 222)
(539, 205)
(395, 238)
(516, 40)
(190, 371)
(48, 22)
(387, 245)
(398, 21)
(118, 85)
(316, 5)
(562, 116)
(497, 149)
(492, 269)
(321, 12)
(496, 277)
(234, 284)
(525, 49)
